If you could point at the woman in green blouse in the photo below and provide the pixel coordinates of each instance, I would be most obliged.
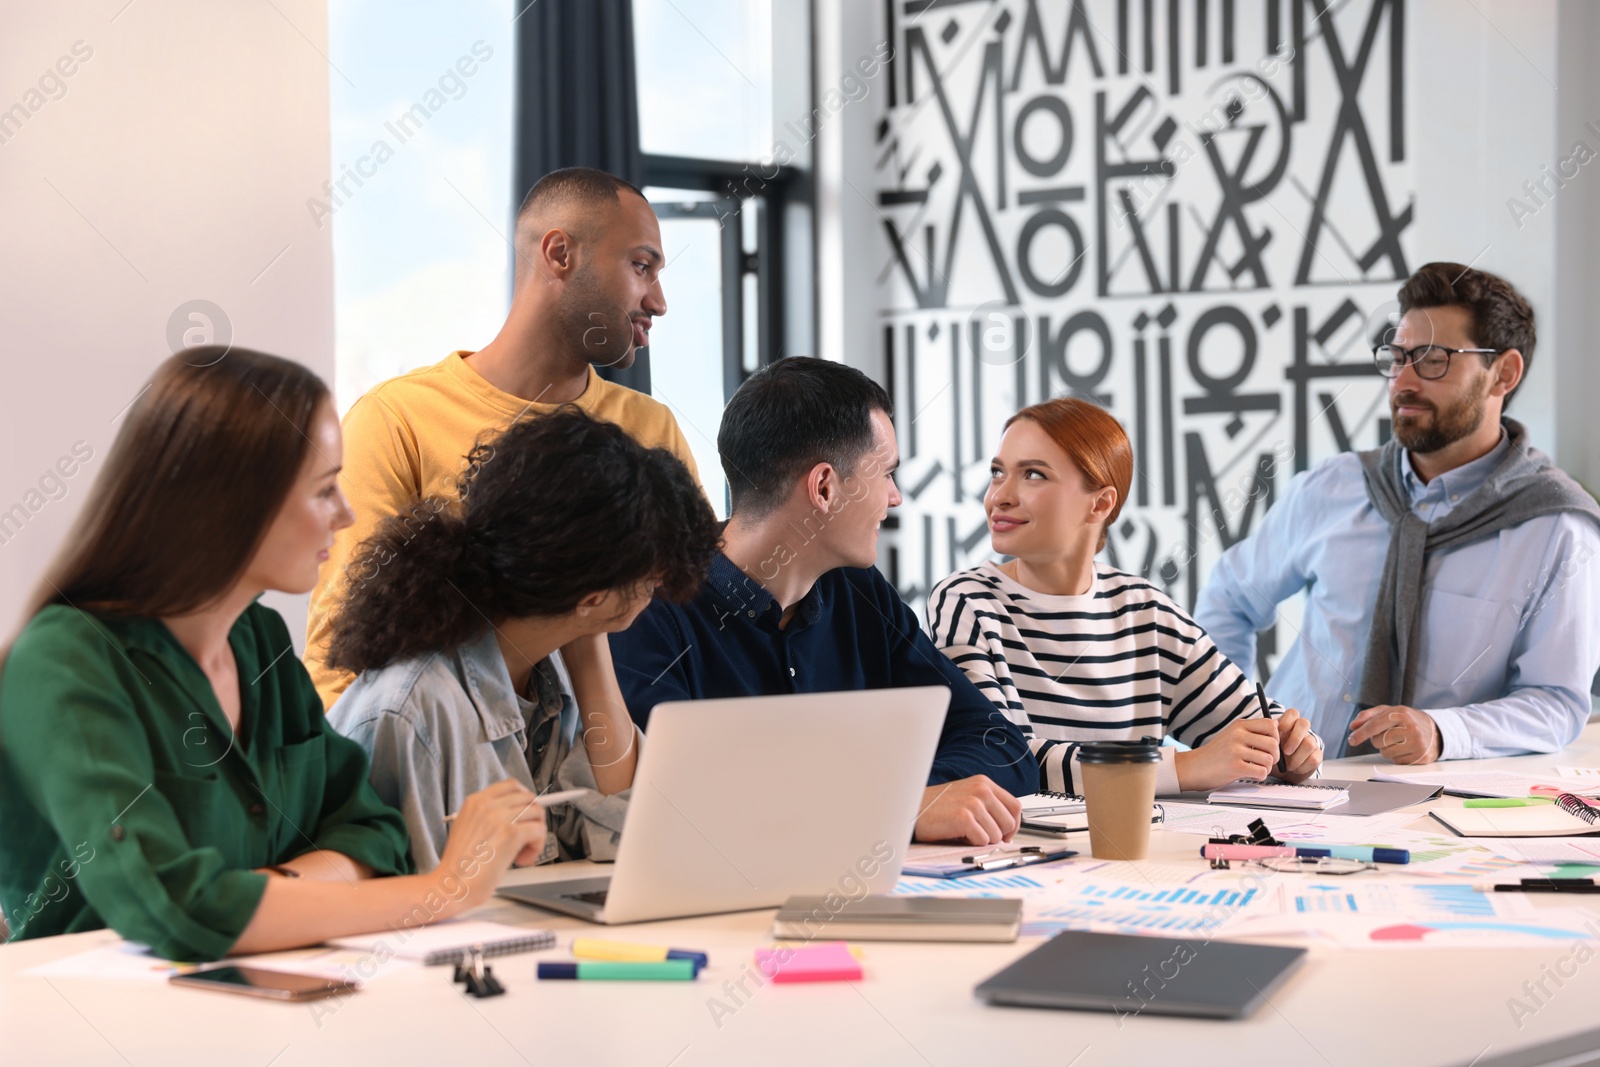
(165, 767)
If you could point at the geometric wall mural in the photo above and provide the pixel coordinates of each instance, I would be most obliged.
(1194, 212)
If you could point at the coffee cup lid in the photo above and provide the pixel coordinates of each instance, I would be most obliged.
(1146, 750)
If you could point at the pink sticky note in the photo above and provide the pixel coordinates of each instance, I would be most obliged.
(830, 961)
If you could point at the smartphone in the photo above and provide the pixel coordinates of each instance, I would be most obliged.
(256, 982)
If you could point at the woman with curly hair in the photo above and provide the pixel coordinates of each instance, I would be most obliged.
(455, 615)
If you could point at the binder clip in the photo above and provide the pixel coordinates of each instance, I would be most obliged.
(479, 979)
(1258, 835)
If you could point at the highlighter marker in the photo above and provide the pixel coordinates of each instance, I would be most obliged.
(1247, 852)
(588, 948)
(1365, 853)
(619, 971)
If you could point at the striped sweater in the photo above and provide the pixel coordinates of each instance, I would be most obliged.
(1120, 661)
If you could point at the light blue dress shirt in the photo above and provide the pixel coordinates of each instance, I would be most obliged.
(1511, 623)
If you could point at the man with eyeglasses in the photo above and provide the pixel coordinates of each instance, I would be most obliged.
(1452, 589)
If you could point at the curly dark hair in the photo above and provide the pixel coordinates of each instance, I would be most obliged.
(557, 507)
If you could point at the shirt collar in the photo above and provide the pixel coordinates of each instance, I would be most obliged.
(736, 593)
(1460, 481)
(151, 635)
(488, 681)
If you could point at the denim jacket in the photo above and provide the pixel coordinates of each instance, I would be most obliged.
(441, 726)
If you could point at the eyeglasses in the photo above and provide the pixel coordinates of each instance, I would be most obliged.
(1319, 865)
(1431, 362)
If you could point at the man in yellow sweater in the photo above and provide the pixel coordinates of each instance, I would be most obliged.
(585, 291)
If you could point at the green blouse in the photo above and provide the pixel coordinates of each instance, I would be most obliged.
(127, 801)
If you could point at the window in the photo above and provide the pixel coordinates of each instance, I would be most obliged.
(705, 72)
(420, 200)
(713, 76)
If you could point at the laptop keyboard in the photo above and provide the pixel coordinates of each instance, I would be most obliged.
(596, 897)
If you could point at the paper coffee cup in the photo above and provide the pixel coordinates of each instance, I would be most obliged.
(1119, 790)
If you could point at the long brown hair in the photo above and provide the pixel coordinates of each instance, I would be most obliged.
(204, 460)
(1093, 439)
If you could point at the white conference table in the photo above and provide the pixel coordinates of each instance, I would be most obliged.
(1343, 1008)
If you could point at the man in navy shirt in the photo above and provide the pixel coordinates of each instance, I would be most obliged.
(793, 603)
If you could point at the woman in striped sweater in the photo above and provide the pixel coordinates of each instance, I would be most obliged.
(1073, 650)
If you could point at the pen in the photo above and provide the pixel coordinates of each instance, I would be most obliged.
(589, 948)
(1030, 854)
(1266, 713)
(1506, 802)
(999, 853)
(545, 800)
(1367, 853)
(1556, 886)
(620, 971)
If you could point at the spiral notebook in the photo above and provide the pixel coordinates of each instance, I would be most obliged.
(1568, 817)
(451, 942)
(1048, 803)
(1277, 795)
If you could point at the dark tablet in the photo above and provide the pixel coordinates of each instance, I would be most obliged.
(1133, 975)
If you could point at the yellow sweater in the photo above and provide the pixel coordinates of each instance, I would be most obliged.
(410, 436)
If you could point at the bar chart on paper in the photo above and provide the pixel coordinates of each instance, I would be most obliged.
(980, 885)
(1108, 906)
(1379, 898)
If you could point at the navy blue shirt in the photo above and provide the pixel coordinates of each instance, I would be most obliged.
(850, 632)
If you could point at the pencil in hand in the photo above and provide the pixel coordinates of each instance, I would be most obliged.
(565, 796)
(1266, 712)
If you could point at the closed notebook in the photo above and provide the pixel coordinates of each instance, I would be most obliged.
(1134, 975)
(450, 942)
(893, 918)
(1542, 820)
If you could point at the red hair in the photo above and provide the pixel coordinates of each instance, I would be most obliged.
(1094, 441)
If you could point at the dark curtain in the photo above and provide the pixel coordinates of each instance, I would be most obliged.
(577, 104)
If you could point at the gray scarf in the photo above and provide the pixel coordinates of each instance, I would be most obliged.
(1522, 486)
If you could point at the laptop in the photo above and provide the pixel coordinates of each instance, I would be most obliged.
(1134, 975)
(741, 803)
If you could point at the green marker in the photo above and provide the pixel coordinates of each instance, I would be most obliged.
(1506, 802)
(621, 971)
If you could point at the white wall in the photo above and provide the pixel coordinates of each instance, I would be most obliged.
(1576, 316)
(1480, 133)
(1532, 93)
(173, 166)
(850, 244)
